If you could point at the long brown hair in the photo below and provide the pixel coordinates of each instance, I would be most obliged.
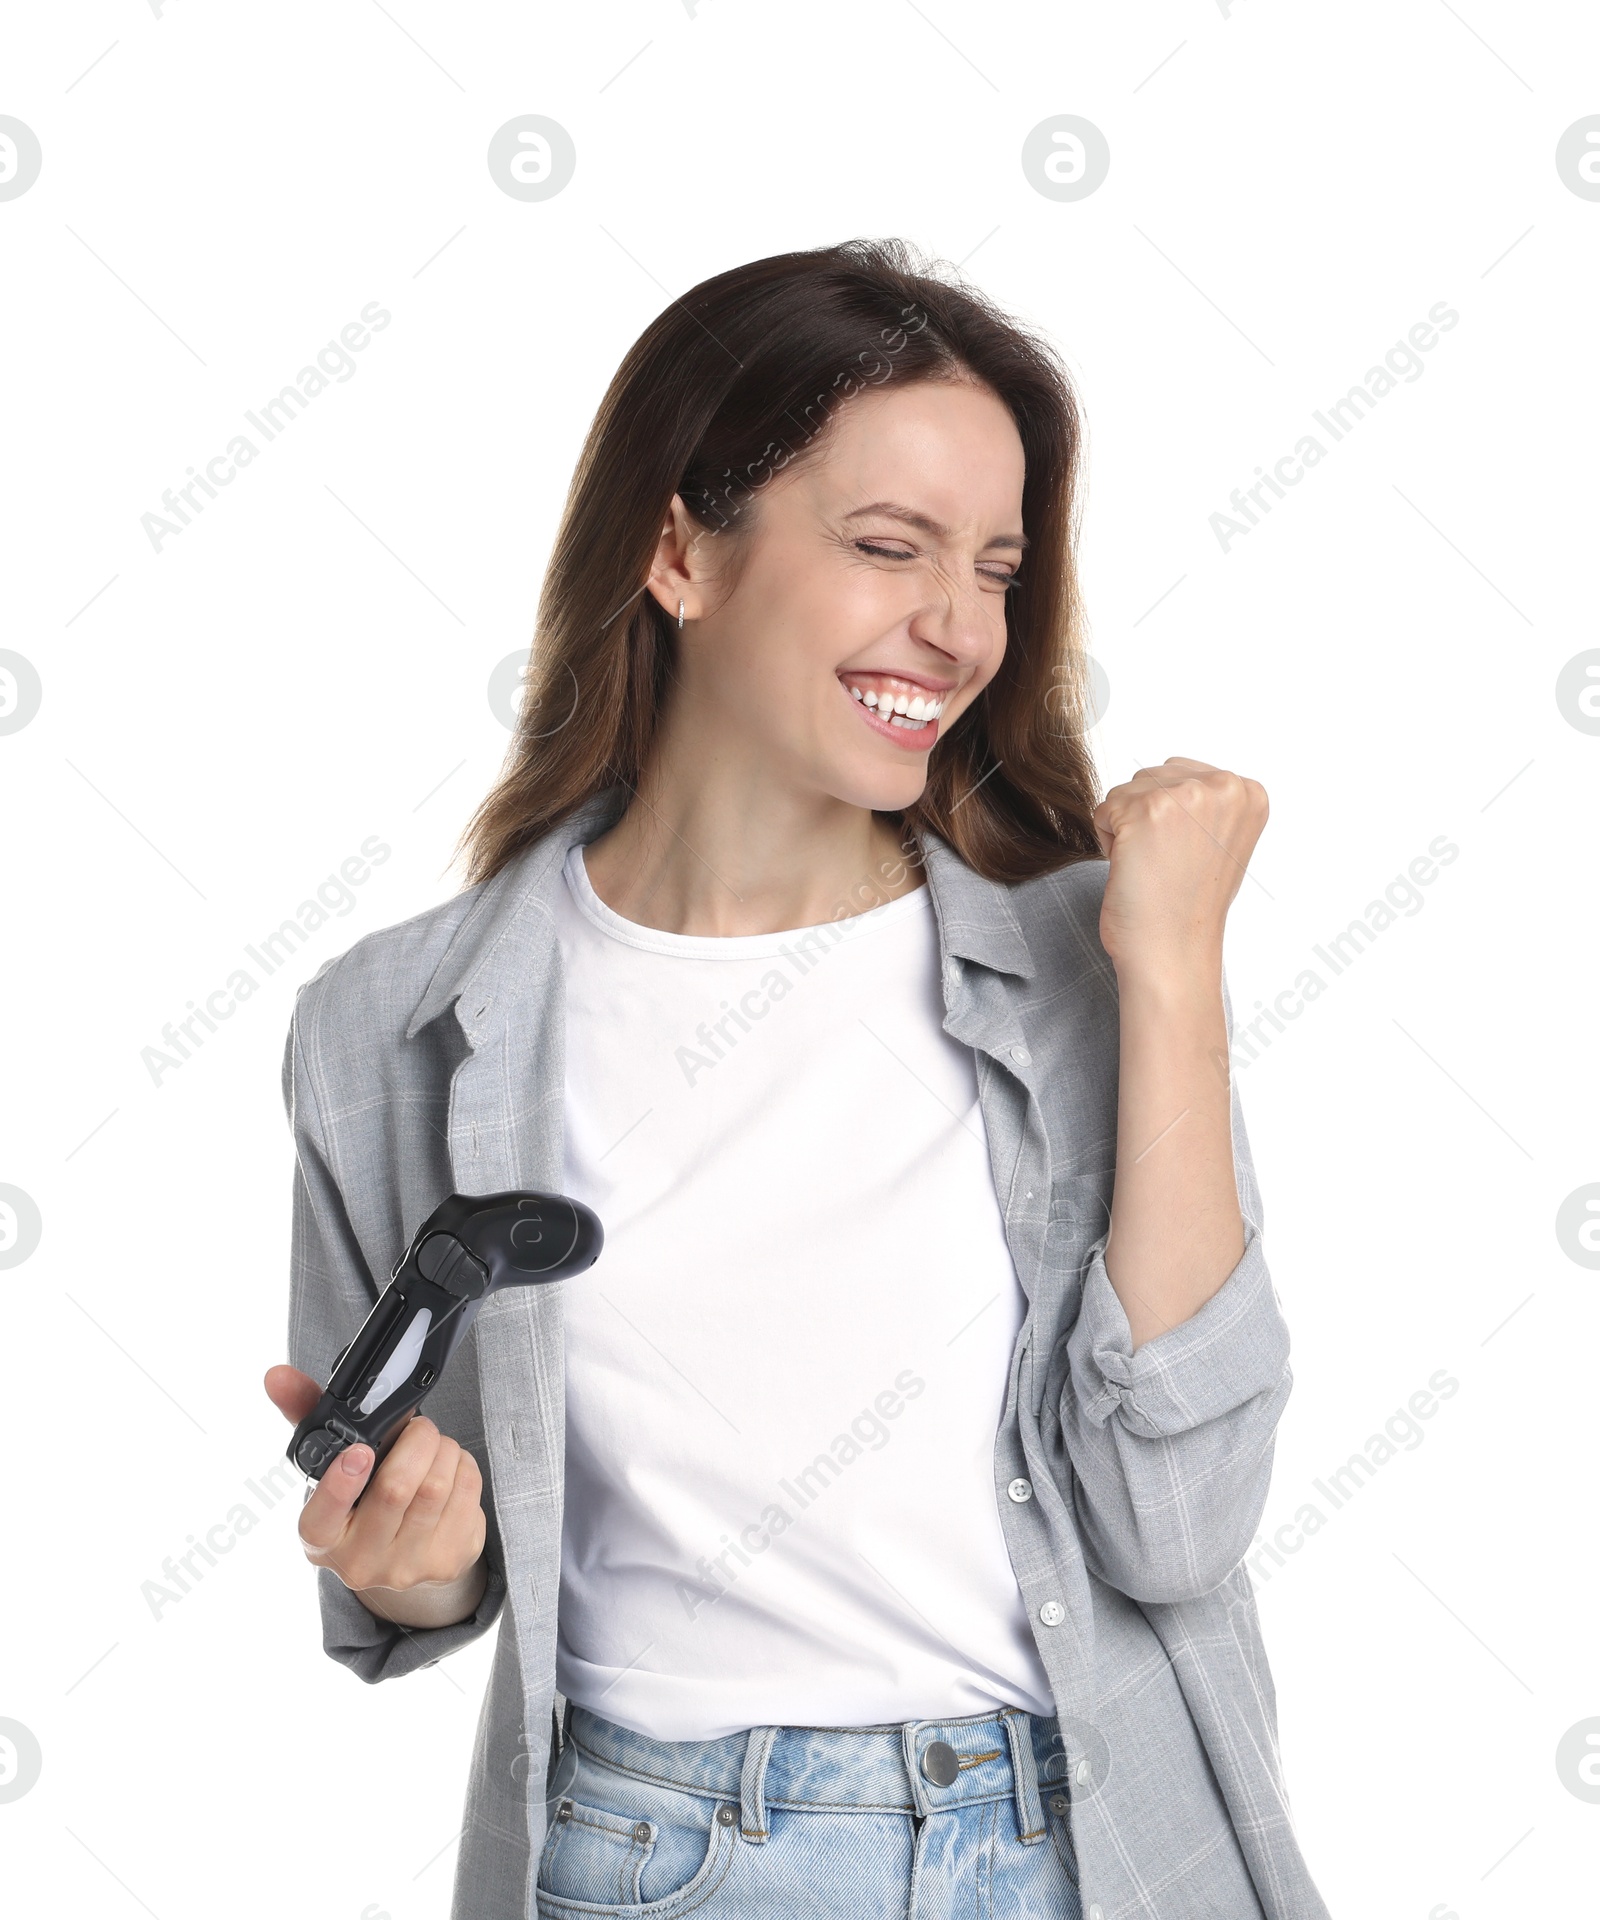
(724, 388)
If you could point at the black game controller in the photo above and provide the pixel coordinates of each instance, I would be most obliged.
(467, 1248)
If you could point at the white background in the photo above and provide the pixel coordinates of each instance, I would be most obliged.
(224, 721)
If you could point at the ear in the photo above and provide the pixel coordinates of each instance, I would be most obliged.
(680, 570)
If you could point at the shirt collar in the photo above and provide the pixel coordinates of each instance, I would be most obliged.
(976, 918)
(508, 931)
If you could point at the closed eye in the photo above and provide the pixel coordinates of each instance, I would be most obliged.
(1005, 576)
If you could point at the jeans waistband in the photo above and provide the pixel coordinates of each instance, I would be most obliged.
(918, 1767)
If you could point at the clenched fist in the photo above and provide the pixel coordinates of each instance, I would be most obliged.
(1178, 837)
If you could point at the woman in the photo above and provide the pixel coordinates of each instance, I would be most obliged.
(870, 1520)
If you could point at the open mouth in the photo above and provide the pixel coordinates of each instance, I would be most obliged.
(904, 711)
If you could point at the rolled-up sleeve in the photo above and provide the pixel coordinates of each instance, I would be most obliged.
(1171, 1445)
(331, 1292)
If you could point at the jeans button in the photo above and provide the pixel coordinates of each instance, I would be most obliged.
(726, 1816)
(940, 1763)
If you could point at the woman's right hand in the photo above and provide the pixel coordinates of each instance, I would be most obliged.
(414, 1548)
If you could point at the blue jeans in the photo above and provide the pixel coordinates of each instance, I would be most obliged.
(922, 1821)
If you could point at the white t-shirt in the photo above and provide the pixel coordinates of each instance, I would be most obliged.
(786, 1371)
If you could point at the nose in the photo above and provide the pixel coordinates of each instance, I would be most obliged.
(957, 618)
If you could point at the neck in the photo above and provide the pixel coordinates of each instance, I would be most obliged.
(727, 853)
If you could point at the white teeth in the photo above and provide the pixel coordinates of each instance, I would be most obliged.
(910, 710)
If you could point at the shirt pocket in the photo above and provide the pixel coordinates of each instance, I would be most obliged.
(1080, 1212)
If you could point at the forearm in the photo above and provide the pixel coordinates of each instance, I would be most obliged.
(433, 1604)
(1176, 1230)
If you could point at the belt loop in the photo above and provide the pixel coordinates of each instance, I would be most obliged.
(753, 1781)
(1024, 1775)
(560, 1733)
(909, 1729)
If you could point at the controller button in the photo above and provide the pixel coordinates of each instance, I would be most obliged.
(445, 1261)
(468, 1279)
(315, 1451)
(437, 1254)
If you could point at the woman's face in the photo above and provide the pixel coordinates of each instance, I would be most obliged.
(872, 579)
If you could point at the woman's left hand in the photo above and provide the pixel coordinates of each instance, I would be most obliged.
(1178, 837)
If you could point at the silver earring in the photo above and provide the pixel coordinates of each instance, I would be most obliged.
(680, 615)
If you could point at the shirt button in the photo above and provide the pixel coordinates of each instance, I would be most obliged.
(1052, 1613)
(1021, 1055)
(1097, 1913)
(1020, 1490)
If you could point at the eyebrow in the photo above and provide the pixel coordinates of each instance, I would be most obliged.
(925, 524)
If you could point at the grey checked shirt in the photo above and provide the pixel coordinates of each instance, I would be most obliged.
(429, 1060)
